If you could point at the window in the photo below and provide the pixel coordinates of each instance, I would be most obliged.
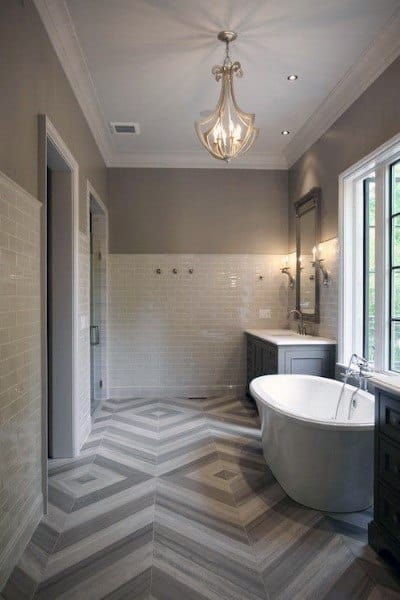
(369, 268)
(369, 230)
(395, 266)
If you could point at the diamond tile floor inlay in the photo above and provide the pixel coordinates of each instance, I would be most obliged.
(171, 499)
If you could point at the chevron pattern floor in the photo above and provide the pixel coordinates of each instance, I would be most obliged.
(171, 500)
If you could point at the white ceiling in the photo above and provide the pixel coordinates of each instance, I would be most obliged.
(149, 61)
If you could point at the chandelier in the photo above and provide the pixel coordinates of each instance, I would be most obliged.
(228, 132)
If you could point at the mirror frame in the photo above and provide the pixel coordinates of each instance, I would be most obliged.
(310, 201)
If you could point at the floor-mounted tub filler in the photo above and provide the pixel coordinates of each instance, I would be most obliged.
(321, 459)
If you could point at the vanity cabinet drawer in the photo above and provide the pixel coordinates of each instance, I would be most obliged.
(388, 510)
(389, 463)
(389, 416)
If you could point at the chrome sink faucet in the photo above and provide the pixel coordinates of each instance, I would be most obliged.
(301, 328)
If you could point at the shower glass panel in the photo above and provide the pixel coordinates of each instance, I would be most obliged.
(95, 317)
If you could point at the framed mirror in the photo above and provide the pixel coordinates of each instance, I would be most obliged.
(307, 239)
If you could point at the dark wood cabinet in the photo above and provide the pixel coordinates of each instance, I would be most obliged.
(384, 530)
(266, 358)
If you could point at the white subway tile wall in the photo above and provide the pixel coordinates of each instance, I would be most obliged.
(329, 295)
(184, 332)
(20, 371)
(84, 342)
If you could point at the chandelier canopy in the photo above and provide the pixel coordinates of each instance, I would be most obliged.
(228, 132)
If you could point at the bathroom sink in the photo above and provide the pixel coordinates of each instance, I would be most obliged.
(283, 333)
(288, 337)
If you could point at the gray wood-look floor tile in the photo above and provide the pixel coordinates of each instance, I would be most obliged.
(171, 499)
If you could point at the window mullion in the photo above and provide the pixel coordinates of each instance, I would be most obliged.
(382, 267)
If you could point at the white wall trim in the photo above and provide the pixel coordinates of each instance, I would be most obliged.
(375, 59)
(197, 160)
(61, 31)
(351, 261)
(60, 28)
(90, 190)
(51, 133)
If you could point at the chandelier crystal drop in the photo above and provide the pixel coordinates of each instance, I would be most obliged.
(228, 132)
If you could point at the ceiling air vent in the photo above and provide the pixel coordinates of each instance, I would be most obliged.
(122, 128)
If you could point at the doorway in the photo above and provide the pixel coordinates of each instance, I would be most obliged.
(59, 305)
(98, 300)
(59, 193)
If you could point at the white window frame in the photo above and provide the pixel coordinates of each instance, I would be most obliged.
(351, 272)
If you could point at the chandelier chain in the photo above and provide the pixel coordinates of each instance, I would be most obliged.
(227, 60)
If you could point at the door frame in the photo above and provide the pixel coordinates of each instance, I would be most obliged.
(47, 131)
(91, 191)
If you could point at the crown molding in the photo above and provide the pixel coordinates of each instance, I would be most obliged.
(196, 160)
(374, 60)
(60, 29)
(59, 26)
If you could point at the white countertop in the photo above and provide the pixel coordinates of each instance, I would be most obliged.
(390, 383)
(287, 337)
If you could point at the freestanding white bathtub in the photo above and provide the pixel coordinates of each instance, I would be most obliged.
(321, 462)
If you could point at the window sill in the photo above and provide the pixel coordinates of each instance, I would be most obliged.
(388, 380)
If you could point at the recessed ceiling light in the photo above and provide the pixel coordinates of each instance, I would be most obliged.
(292, 77)
(285, 132)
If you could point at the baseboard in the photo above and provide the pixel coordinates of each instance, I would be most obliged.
(122, 393)
(13, 551)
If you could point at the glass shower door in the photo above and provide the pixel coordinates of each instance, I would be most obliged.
(95, 313)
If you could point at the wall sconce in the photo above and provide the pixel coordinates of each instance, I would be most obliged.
(318, 262)
(286, 271)
(324, 271)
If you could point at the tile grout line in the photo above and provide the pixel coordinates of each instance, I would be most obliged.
(154, 507)
(267, 597)
(361, 562)
(369, 576)
(59, 534)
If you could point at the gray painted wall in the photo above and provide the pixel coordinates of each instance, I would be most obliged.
(369, 122)
(197, 211)
(33, 82)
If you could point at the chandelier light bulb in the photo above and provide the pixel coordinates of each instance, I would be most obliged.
(228, 132)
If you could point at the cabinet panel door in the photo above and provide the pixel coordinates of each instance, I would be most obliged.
(389, 416)
(312, 362)
(389, 463)
(251, 359)
(389, 510)
(270, 360)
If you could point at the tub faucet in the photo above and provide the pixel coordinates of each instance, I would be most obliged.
(301, 328)
(358, 368)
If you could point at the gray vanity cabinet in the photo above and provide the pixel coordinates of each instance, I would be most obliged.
(384, 530)
(266, 358)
